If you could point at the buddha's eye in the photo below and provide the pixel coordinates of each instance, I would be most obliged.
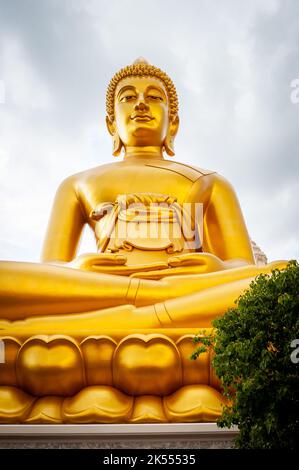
(155, 98)
(127, 98)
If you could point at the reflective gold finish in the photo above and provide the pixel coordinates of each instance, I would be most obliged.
(8, 374)
(98, 404)
(106, 336)
(50, 366)
(14, 405)
(98, 359)
(137, 358)
(148, 409)
(45, 410)
(195, 403)
(141, 390)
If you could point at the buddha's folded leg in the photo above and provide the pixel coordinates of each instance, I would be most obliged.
(29, 289)
(195, 310)
(201, 308)
(183, 284)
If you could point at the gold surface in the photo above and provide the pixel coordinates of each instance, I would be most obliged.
(98, 358)
(148, 409)
(147, 365)
(50, 366)
(199, 403)
(8, 374)
(105, 404)
(98, 404)
(136, 364)
(133, 285)
(46, 410)
(14, 405)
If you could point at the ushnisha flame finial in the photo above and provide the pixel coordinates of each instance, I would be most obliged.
(141, 60)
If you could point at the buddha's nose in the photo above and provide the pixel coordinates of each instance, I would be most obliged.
(141, 104)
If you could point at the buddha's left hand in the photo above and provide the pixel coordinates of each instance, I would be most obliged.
(88, 260)
(205, 261)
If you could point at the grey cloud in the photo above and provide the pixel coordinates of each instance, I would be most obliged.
(232, 63)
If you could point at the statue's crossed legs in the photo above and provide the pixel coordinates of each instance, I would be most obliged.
(67, 300)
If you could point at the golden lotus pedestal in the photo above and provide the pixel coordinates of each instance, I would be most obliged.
(110, 377)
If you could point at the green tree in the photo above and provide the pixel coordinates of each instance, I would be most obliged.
(256, 361)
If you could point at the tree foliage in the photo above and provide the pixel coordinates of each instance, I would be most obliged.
(256, 362)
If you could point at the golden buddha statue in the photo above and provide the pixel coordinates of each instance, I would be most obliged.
(106, 337)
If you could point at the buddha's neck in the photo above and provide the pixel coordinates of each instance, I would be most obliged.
(150, 152)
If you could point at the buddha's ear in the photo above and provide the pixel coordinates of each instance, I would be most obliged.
(117, 143)
(170, 136)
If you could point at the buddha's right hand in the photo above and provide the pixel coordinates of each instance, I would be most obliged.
(202, 262)
(88, 260)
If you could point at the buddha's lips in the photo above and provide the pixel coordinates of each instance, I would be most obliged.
(143, 117)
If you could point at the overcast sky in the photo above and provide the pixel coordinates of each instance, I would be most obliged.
(232, 62)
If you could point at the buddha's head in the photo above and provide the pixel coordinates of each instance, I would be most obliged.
(142, 108)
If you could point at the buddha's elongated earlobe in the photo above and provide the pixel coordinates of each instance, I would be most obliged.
(168, 145)
(170, 136)
(117, 143)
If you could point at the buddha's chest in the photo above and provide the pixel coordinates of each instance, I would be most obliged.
(127, 180)
(147, 226)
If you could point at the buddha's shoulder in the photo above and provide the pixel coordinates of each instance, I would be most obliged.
(190, 172)
(201, 179)
(87, 175)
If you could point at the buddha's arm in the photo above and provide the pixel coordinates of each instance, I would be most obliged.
(65, 225)
(225, 232)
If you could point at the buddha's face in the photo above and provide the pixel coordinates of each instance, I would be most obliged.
(141, 111)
